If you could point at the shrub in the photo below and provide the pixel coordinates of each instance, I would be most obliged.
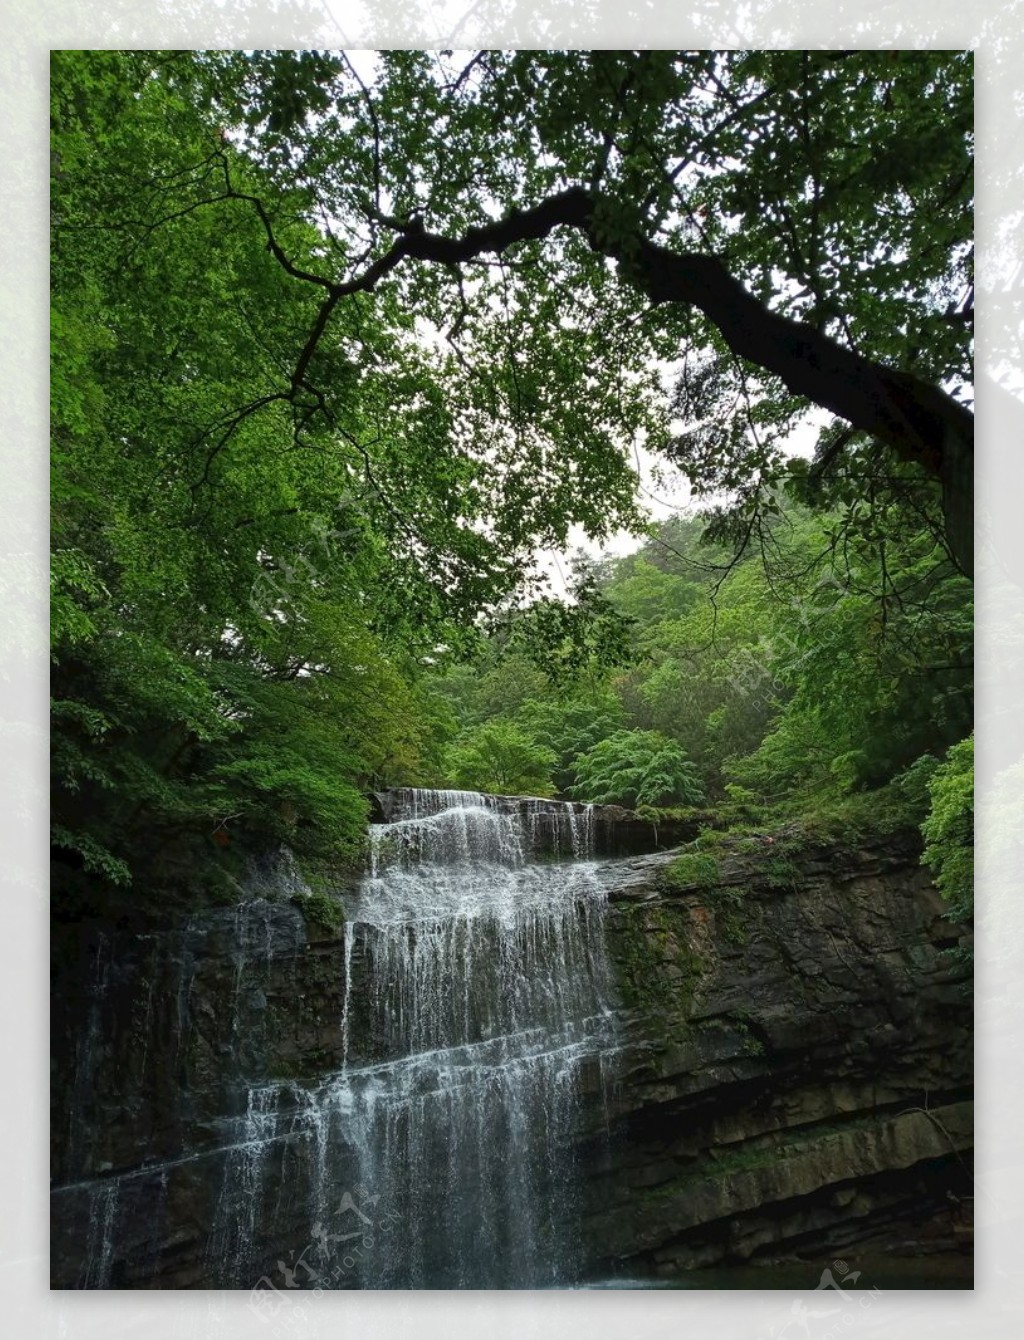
(948, 830)
(501, 757)
(693, 869)
(637, 768)
(321, 909)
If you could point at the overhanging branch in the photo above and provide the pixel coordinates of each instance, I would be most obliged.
(919, 421)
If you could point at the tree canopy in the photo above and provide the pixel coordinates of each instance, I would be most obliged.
(340, 340)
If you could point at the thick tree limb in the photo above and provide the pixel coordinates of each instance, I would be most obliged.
(919, 421)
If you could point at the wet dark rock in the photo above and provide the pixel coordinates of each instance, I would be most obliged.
(798, 1073)
(794, 1076)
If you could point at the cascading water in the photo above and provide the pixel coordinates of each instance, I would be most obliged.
(476, 1040)
(490, 1006)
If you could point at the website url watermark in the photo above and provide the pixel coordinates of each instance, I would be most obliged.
(842, 1318)
(329, 1261)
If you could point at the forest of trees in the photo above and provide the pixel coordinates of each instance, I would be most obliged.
(340, 344)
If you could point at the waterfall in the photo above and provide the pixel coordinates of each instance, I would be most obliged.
(476, 1044)
(489, 999)
(443, 1155)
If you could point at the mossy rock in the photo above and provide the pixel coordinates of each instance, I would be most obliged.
(657, 970)
(693, 870)
(321, 910)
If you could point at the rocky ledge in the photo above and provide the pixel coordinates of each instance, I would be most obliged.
(616, 831)
(797, 1062)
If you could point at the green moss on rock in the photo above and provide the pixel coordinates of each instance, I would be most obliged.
(321, 910)
(693, 870)
(657, 969)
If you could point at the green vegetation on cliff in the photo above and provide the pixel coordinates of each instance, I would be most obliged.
(949, 829)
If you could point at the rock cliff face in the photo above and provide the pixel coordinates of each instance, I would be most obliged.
(793, 1080)
(797, 1077)
(157, 1041)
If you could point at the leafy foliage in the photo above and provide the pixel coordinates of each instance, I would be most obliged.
(325, 381)
(949, 829)
(500, 757)
(571, 727)
(636, 767)
(239, 615)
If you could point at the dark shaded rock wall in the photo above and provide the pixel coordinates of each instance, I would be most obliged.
(794, 1076)
(156, 1040)
(797, 1073)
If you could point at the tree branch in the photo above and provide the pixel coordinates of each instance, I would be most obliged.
(919, 421)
